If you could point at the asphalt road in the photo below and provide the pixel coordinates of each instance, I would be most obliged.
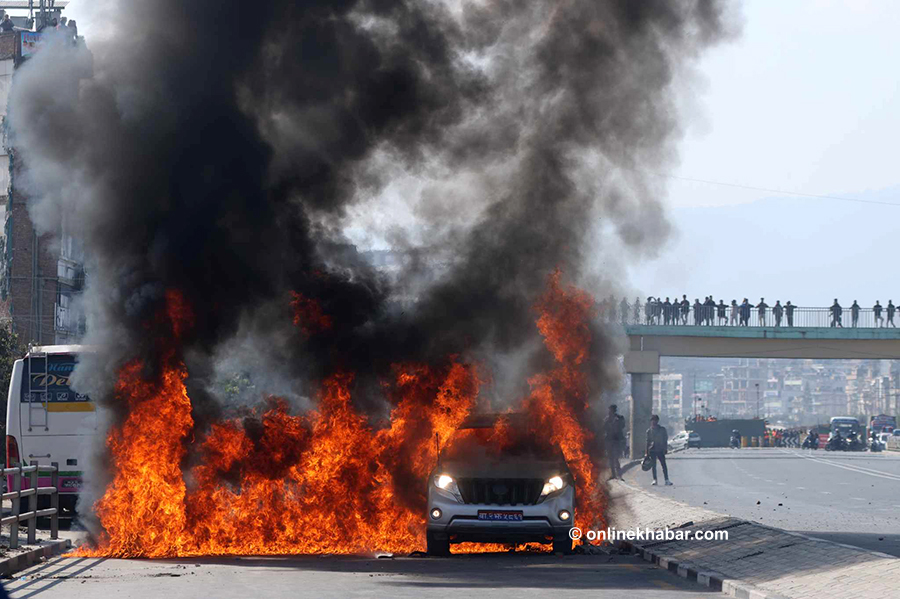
(496, 575)
(851, 498)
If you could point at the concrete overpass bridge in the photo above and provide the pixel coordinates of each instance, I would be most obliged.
(648, 343)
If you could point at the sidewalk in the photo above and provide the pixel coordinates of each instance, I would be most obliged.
(756, 560)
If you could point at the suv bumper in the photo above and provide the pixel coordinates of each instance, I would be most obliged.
(460, 521)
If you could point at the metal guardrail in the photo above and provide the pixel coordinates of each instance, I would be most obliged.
(807, 317)
(30, 496)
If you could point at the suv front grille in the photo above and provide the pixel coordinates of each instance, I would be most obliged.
(501, 491)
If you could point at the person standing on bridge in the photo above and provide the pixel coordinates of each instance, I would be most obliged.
(745, 313)
(720, 312)
(890, 313)
(789, 312)
(762, 306)
(710, 311)
(778, 312)
(734, 313)
(836, 312)
(876, 310)
(614, 435)
(697, 311)
(636, 314)
(623, 310)
(685, 309)
(667, 311)
(854, 314)
(657, 447)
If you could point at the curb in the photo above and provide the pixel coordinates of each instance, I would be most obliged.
(713, 580)
(14, 564)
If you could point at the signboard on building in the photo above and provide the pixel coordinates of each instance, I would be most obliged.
(31, 43)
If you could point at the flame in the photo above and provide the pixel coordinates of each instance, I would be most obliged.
(327, 481)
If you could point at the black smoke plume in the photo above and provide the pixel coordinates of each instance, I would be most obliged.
(230, 153)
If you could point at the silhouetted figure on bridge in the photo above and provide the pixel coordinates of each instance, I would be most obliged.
(890, 313)
(667, 311)
(854, 314)
(623, 311)
(778, 312)
(636, 314)
(836, 312)
(648, 310)
(789, 312)
(710, 306)
(745, 313)
(720, 313)
(698, 311)
(734, 313)
(761, 307)
(685, 309)
(876, 310)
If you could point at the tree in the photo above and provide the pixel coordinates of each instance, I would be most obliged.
(11, 349)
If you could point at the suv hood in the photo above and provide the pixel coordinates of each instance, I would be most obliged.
(513, 467)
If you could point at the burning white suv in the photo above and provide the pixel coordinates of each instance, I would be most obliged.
(520, 494)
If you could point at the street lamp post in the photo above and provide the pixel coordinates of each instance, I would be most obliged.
(757, 401)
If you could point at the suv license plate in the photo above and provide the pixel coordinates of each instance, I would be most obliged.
(500, 516)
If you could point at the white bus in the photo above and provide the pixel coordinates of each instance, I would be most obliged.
(48, 422)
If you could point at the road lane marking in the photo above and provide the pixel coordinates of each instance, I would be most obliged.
(826, 492)
(857, 469)
(801, 488)
(858, 498)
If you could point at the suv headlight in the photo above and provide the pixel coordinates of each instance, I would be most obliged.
(553, 484)
(446, 483)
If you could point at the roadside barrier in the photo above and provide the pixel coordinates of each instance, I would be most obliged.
(30, 495)
(893, 443)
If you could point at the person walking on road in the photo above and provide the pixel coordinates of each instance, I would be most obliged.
(614, 434)
(890, 313)
(761, 307)
(778, 312)
(734, 313)
(789, 312)
(876, 310)
(836, 312)
(854, 314)
(657, 447)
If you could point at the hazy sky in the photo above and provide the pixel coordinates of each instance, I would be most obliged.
(805, 101)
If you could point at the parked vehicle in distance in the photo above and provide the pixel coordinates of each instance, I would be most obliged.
(484, 495)
(684, 440)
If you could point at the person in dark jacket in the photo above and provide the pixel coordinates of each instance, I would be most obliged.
(789, 312)
(836, 312)
(778, 312)
(745, 313)
(657, 447)
(698, 307)
(720, 313)
(854, 314)
(685, 309)
(876, 310)
(613, 436)
(890, 313)
(667, 311)
(710, 310)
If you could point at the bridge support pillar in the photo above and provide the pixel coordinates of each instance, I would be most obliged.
(641, 406)
(641, 365)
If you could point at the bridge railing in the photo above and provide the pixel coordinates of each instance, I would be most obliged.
(799, 317)
(30, 495)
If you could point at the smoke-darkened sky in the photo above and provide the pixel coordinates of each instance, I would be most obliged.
(227, 153)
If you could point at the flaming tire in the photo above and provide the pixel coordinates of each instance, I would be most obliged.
(437, 547)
